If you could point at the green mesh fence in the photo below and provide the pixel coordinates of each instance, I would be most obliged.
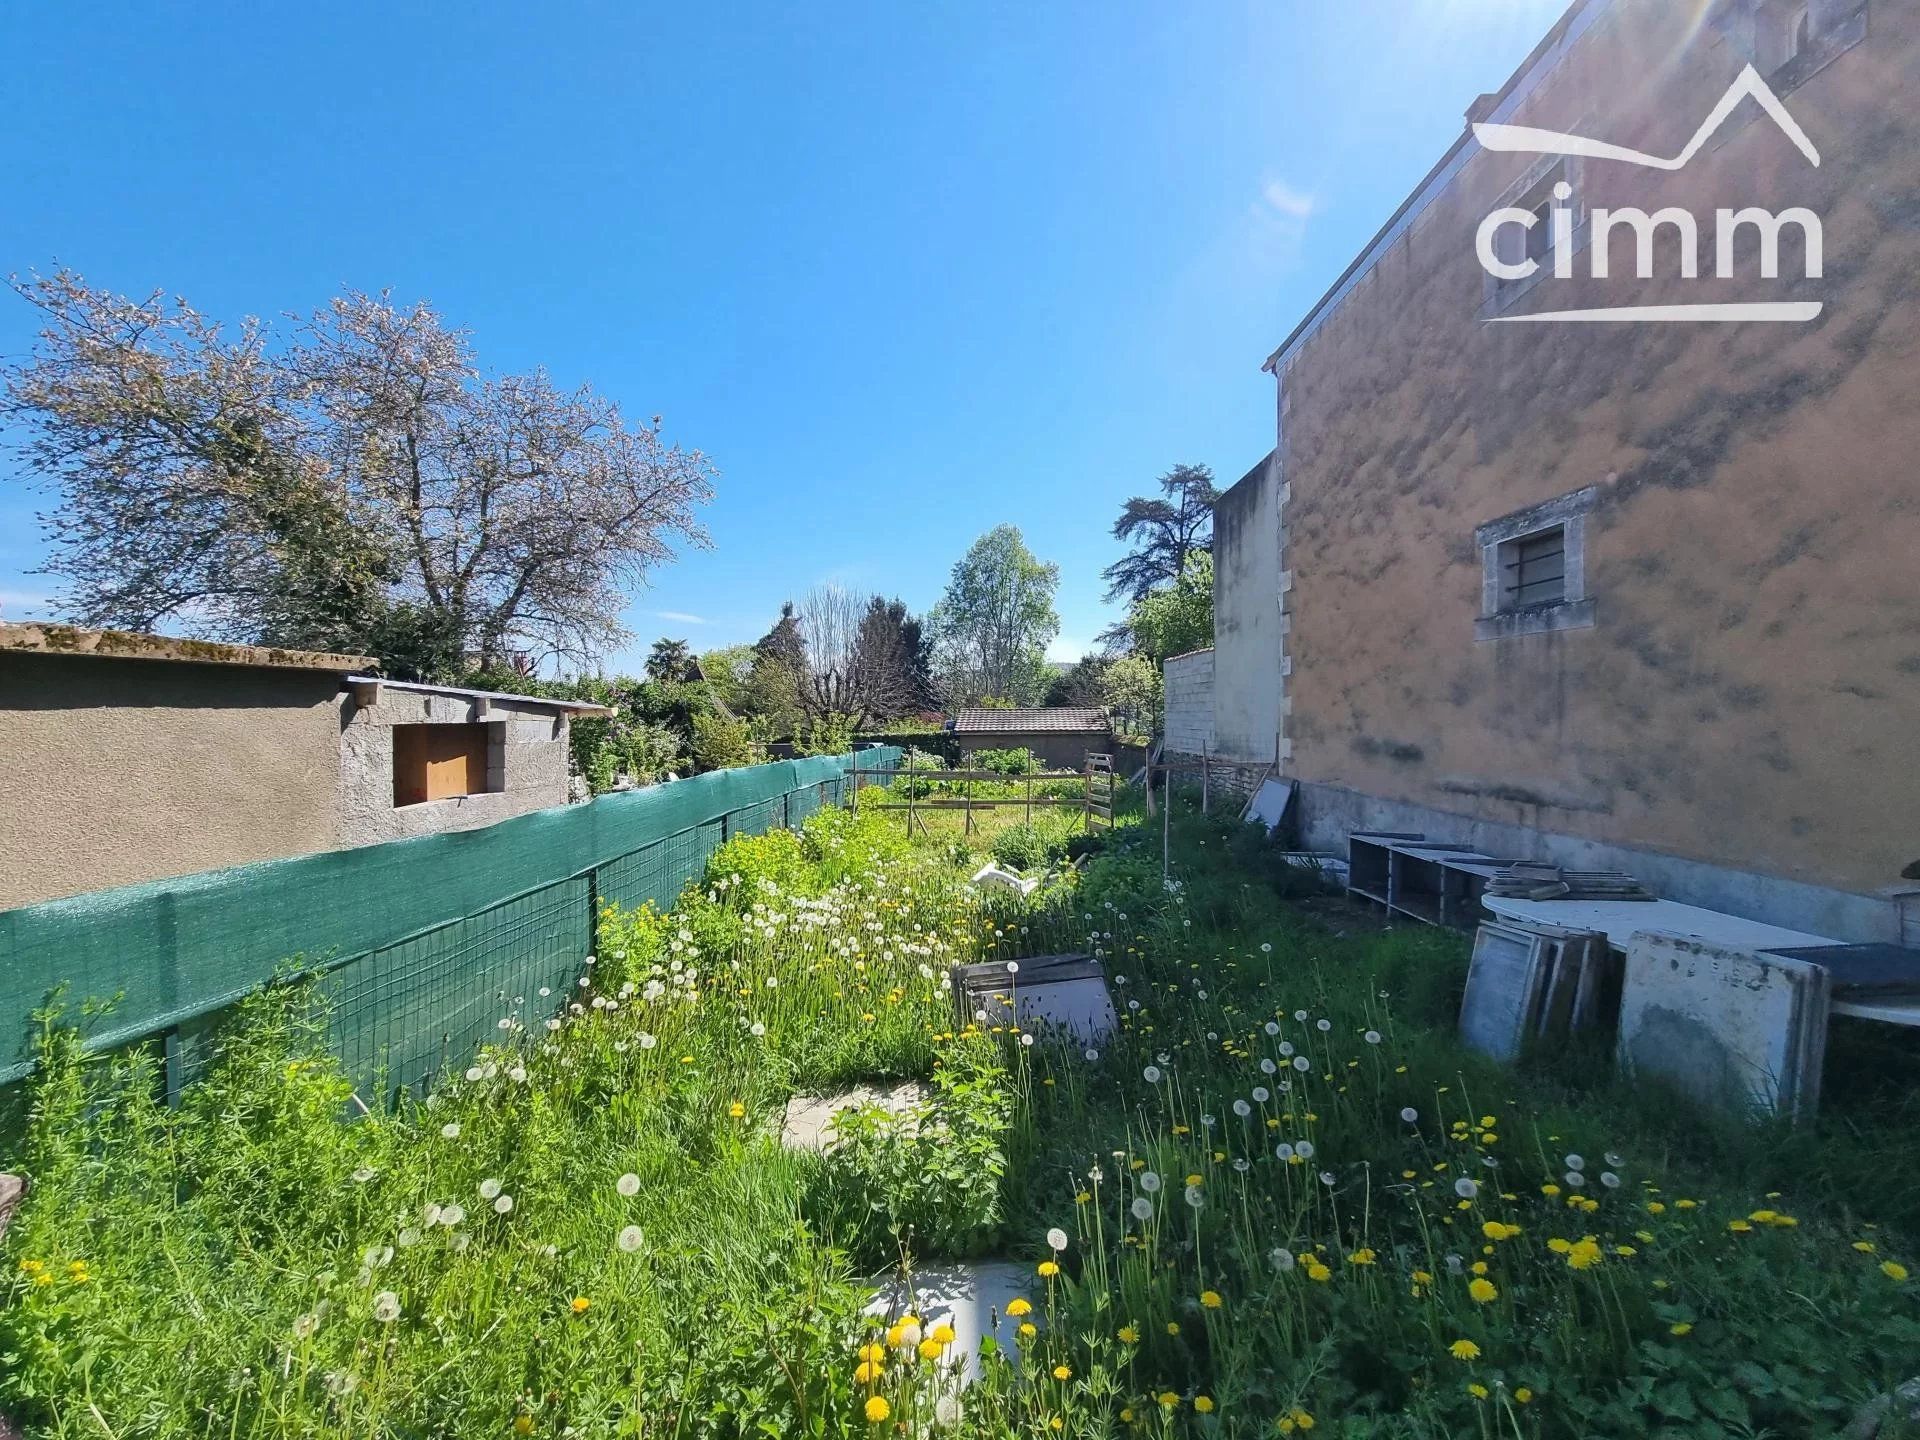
(426, 943)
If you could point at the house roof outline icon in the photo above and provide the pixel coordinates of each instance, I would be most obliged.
(1749, 85)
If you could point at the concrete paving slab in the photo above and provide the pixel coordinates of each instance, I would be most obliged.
(808, 1124)
(1727, 1026)
(971, 1298)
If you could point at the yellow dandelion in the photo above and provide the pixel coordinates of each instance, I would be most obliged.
(1483, 1291)
(1210, 1299)
(1464, 1350)
(1893, 1270)
(1203, 1403)
(877, 1409)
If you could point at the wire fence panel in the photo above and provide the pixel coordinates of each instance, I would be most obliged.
(428, 943)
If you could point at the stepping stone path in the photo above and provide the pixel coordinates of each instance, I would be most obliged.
(971, 1298)
(809, 1120)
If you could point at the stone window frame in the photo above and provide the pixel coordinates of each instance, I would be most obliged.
(1529, 192)
(1576, 608)
(1833, 28)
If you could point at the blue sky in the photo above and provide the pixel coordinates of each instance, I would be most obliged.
(905, 271)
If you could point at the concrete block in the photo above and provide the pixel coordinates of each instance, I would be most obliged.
(971, 1298)
(1728, 1027)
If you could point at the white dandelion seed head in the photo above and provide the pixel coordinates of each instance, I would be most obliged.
(628, 1184)
(1280, 1258)
(1242, 1109)
(363, 1175)
(1261, 1094)
(1302, 1064)
(1304, 1149)
(1142, 1208)
(1328, 1179)
(489, 1188)
(1301, 1016)
(1150, 1182)
(1410, 1115)
(630, 1239)
(1056, 1240)
(1272, 1027)
(407, 1238)
(1151, 1074)
(1323, 1025)
(1372, 1037)
(503, 1205)
(1574, 1162)
(450, 1130)
(1466, 1189)
(1610, 1180)
(1575, 1180)
(1267, 1067)
(386, 1307)
(1196, 1198)
(452, 1215)
(1283, 1151)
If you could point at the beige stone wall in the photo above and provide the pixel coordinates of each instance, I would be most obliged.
(117, 771)
(1750, 693)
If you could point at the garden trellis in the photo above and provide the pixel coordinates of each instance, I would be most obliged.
(424, 943)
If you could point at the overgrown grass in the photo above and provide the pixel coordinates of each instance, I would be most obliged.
(1281, 1197)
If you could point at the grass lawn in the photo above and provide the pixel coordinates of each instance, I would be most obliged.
(1281, 1199)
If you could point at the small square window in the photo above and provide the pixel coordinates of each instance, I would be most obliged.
(1533, 570)
(441, 762)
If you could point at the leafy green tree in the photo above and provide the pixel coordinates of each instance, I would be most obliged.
(727, 670)
(1083, 683)
(1179, 618)
(669, 660)
(992, 626)
(1132, 691)
(721, 742)
(1163, 530)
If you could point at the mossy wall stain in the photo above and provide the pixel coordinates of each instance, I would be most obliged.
(1750, 695)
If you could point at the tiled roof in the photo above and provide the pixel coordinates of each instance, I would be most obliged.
(1071, 718)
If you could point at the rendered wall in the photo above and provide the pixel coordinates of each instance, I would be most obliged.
(1189, 703)
(1247, 683)
(1749, 697)
(115, 771)
(528, 764)
(1054, 749)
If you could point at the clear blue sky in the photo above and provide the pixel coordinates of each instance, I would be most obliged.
(904, 270)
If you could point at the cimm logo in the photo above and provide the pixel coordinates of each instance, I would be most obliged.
(1510, 262)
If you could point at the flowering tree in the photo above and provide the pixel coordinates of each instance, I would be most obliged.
(359, 484)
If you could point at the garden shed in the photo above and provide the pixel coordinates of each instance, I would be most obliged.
(1060, 736)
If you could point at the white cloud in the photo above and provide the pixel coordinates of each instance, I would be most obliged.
(1279, 199)
(1067, 648)
(680, 617)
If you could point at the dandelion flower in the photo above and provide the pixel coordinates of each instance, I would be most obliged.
(1203, 1404)
(490, 1188)
(1410, 1115)
(1464, 1350)
(1019, 1306)
(1046, 1269)
(877, 1409)
(628, 1185)
(580, 1304)
(386, 1307)
(503, 1205)
(1483, 1291)
(1128, 1335)
(1056, 1240)
(450, 1130)
(630, 1239)
(1142, 1208)
(1210, 1299)
(1893, 1270)
(1683, 1327)
(1062, 1372)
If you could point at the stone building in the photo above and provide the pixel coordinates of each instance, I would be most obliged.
(1635, 594)
(137, 757)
